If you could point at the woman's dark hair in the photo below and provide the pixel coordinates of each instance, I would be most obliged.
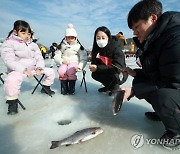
(143, 10)
(22, 26)
(103, 29)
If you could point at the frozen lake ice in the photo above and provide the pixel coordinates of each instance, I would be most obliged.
(33, 129)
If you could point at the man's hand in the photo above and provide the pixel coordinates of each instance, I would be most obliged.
(128, 92)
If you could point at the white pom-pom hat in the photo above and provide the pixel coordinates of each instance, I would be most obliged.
(70, 31)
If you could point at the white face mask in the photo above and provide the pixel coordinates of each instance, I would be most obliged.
(102, 43)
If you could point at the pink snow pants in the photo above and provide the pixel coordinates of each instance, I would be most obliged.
(14, 79)
(68, 72)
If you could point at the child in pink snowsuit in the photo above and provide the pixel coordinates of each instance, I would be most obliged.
(23, 59)
(71, 57)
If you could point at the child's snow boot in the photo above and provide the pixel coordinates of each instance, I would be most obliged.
(47, 91)
(72, 84)
(12, 106)
(103, 89)
(64, 87)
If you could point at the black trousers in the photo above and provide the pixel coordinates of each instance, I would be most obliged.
(107, 79)
(166, 103)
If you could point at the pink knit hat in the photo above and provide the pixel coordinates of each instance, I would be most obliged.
(70, 31)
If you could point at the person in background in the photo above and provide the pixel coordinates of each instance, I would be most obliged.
(53, 49)
(158, 82)
(132, 47)
(123, 40)
(71, 57)
(32, 36)
(43, 51)
(107, 46)
(22, 58)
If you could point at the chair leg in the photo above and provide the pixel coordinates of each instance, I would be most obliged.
(39, 83)
(21, 105)
(1, 78)
(84, 80)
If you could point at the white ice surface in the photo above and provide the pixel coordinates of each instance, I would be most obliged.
(32, 130)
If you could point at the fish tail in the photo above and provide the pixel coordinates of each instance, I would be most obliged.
(54, 145)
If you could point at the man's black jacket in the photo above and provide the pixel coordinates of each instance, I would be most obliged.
(160, 58)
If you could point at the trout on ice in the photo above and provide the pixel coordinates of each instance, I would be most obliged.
(78, 137)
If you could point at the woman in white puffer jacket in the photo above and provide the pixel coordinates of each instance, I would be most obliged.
(71, 57)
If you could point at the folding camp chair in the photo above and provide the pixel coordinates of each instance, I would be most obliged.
(82, 81)
(18, 100)
(39, 83)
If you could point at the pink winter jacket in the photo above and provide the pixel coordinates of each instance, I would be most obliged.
(20, 56)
